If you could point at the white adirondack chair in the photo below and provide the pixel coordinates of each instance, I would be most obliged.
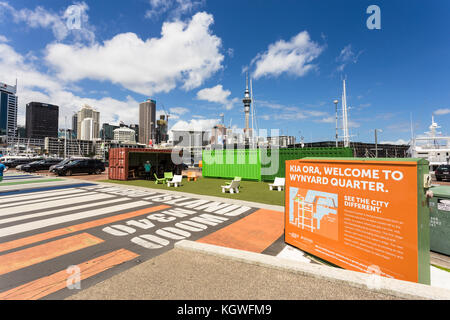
(232, 188)
(277, 184)
(176, 181)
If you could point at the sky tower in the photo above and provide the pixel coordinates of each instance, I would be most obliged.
(247, 102)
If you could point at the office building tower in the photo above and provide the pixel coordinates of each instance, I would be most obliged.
(8, 110)
(87, 112)
(107, 131)
(162, 130)
(41, 120)
(135, 127)
(125, 135)
(87, 129)
(75, 123)
(147, 121)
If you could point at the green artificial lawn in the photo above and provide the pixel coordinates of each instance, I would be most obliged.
(442, 268)
(249, 191)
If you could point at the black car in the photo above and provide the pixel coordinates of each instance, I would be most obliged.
(89, 166)
(16, 162)
(39, 165)
(442, 172)
(62, 163)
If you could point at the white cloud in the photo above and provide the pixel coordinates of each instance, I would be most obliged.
(290, 112)
(42, 18)
(178, 110)
(3, 38)
(329, 119)
(347, 56)
(36, 86)
(193, 124)
(217, 95)
(176, 8)
(294, 57)
(186, 53)
(399, 141)
(441, 112)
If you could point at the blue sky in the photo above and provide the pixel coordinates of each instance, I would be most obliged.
(190, 56)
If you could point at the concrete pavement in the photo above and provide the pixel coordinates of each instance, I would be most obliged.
(235, 260)
(196, 271)
(188, 275)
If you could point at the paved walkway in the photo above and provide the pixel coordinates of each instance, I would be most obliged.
(114, 233)
(180, 274)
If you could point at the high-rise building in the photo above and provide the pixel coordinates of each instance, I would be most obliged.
(218, 134)
(41, 120)
(75, 123)
(87, 129)
(8, 110)
(94, 129)
(107, 131)
(147, 121)
(125, 134)
(161, 130)
(135, 127)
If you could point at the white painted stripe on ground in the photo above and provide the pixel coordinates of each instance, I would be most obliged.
(45, 199)
(52, 204)
(48, 184)
(439, 278)
(293, 254)
(36, 195)
(67, 218)
(46, 213)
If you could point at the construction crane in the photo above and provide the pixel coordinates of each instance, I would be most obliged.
(167, 115)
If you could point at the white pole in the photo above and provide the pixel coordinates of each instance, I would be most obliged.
(251, 95)
(65, 137)
(344, 115)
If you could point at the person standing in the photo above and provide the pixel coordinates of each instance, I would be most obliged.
(3, 168)
(147, 168)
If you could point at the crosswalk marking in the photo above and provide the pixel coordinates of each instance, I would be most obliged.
(67, 218)
(46, 213)
(50, 228)
(51, 204)
(67, 196)
(44, 286)
(79, 227)
(37, 195)
(30, 256)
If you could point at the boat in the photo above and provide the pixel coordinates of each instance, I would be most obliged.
(432, 146)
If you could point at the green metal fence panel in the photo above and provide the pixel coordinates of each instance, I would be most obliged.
(440, 220)
(232, 163)
(272, 168)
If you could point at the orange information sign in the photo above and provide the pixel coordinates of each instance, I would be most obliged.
(359, 215)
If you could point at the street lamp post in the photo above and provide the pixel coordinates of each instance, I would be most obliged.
(376, 142)
(335, 104)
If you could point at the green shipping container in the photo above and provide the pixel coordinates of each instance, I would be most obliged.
(259, 164)
(271, 167)
(244, 163)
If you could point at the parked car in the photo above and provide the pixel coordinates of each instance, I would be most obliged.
(442, 172)
(53, 168)
(89, 166)
(14, 163)
(40, 165)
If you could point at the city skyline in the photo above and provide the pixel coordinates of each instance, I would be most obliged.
(192, 60)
